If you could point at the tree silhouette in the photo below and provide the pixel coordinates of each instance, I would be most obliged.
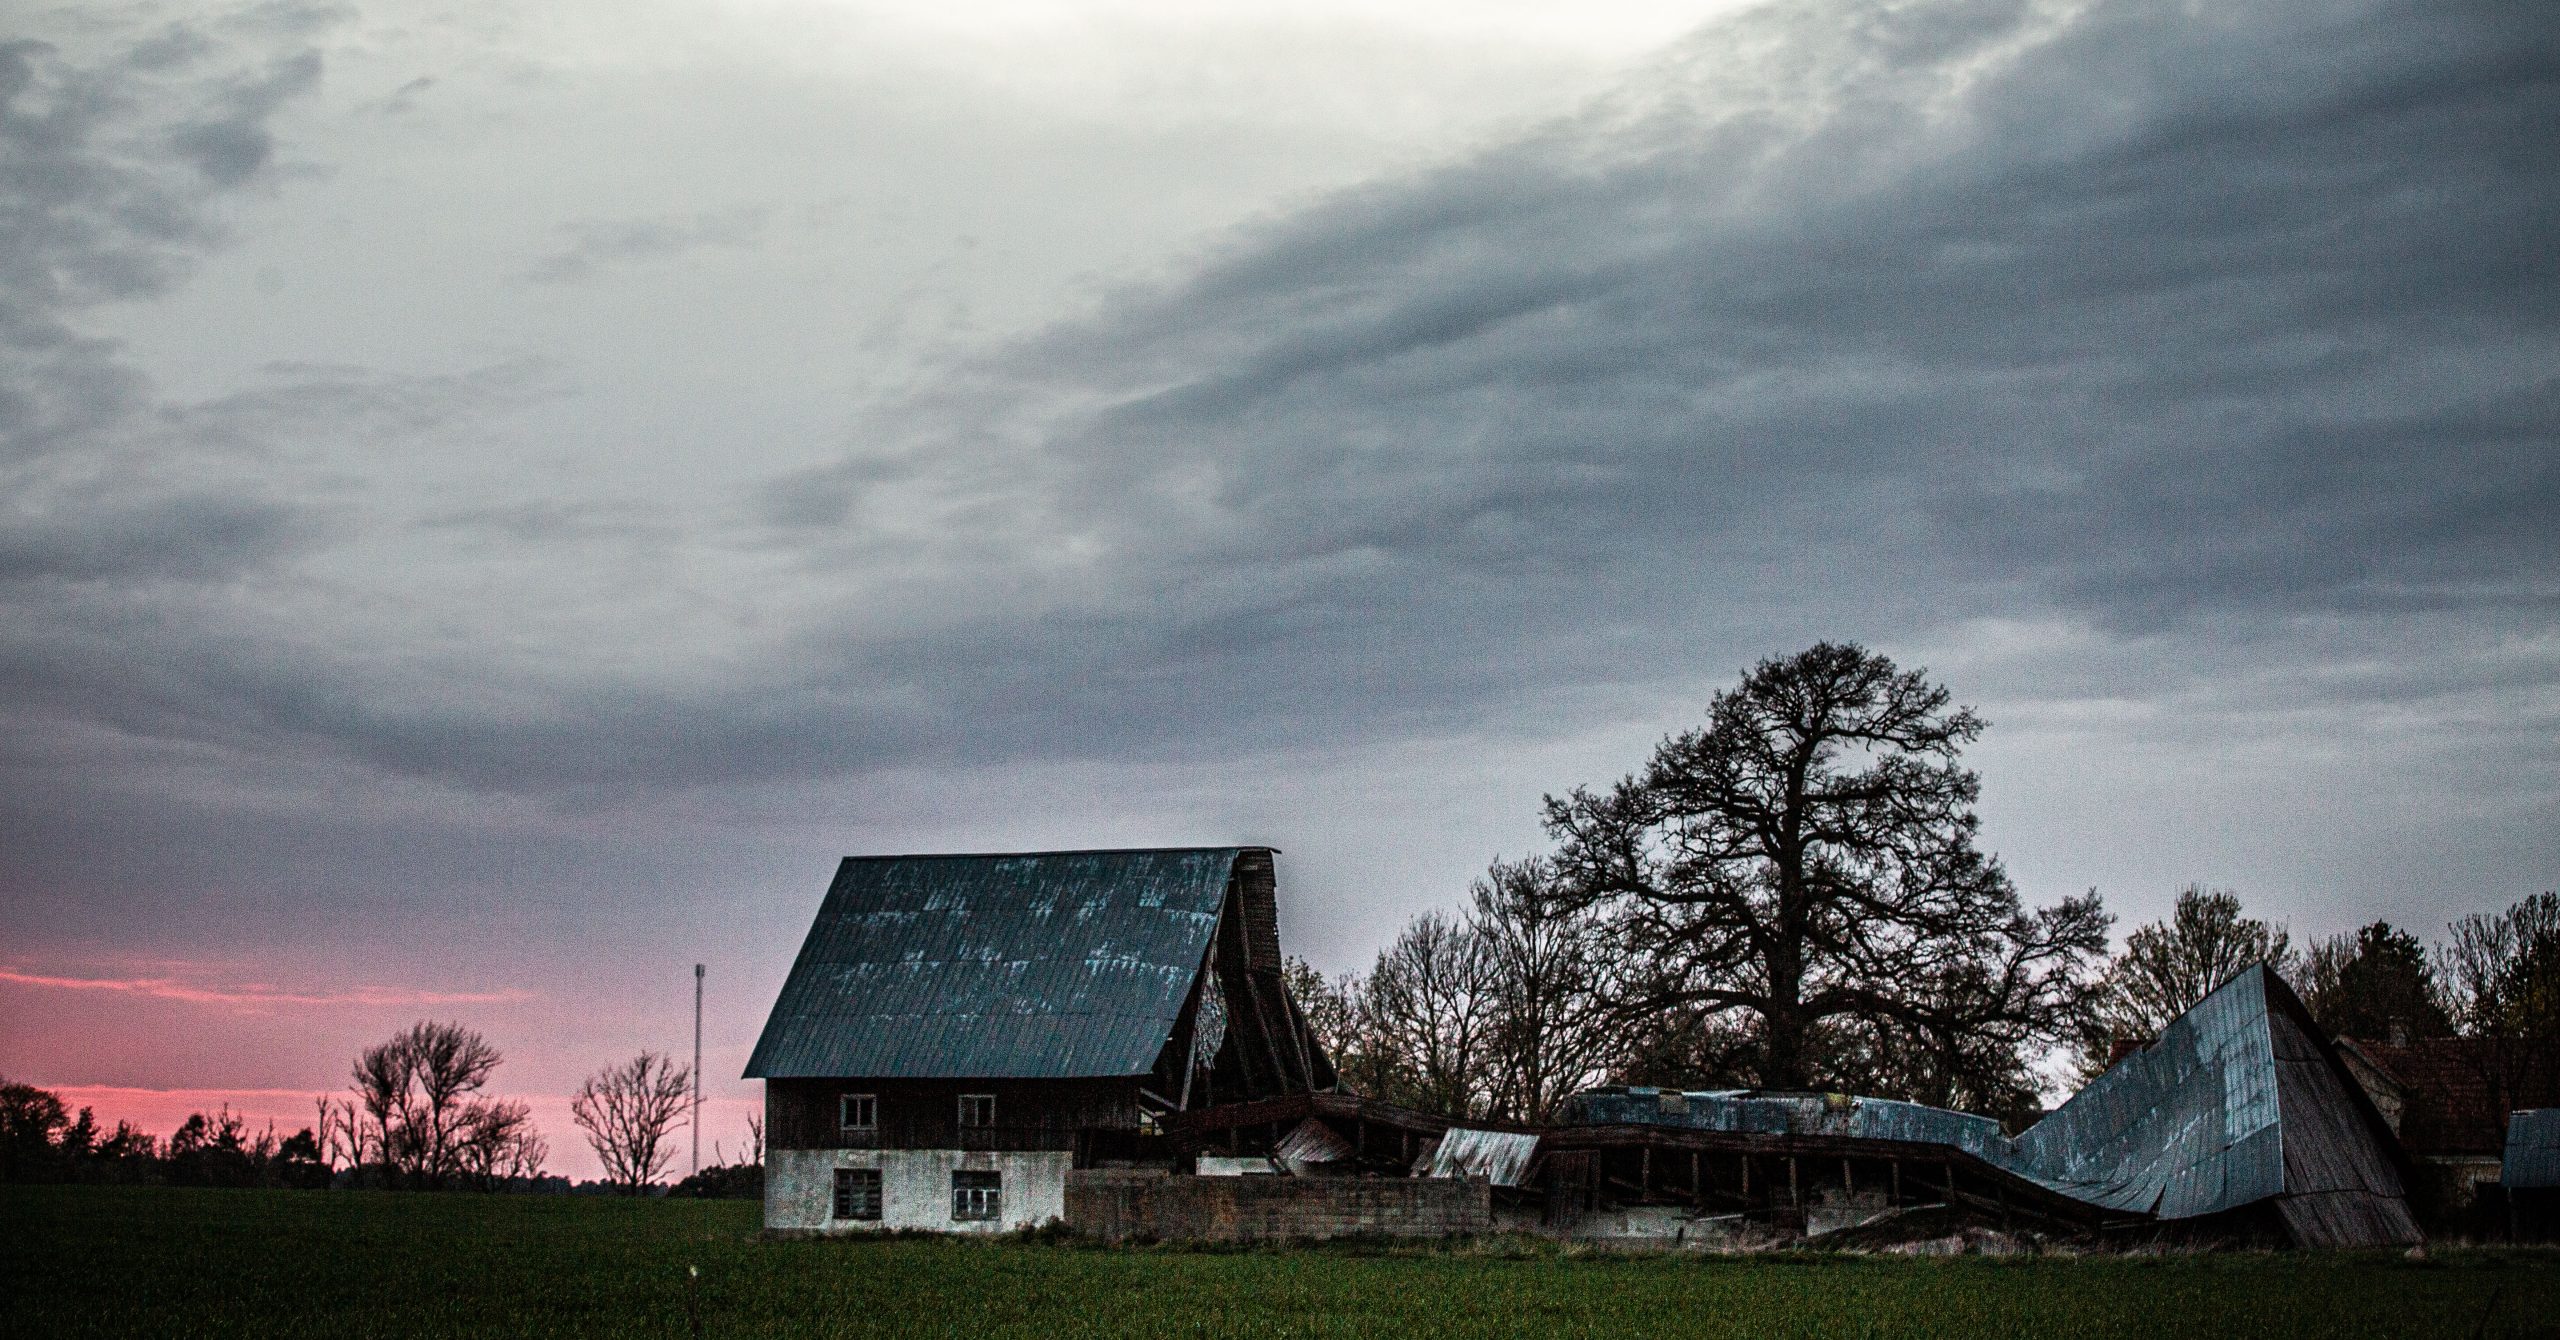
(628, 1111)
(2374, 983)
(1804, 867)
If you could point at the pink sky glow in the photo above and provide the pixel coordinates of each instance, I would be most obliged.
(152, 1042)
(257, 995)
(160, 1111)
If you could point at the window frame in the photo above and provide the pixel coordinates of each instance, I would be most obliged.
(977, 1196)
(845, 1208)
(845, 1103)
(987, 1102)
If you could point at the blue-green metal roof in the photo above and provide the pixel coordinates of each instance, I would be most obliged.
(1047, 965)
(2533, 1150)
(2192, 1125)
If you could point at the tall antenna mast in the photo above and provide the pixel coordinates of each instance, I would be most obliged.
(697, 1067)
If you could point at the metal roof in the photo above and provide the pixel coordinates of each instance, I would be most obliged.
(1309, 1143)
(1044, 965)
(1501, 1157)
(2187, 1126)
(1759, 1112)
(2533, 1150)
(2192, 1125)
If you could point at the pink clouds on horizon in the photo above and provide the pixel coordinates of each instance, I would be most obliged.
(255, 994)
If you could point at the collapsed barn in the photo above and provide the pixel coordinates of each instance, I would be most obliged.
(1107, 1039)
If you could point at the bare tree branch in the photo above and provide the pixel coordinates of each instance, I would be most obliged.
(628, 1111)
(1802, 871)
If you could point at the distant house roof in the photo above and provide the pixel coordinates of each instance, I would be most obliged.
(1044, 965)
(2448, 1105)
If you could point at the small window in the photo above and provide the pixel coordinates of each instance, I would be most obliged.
(977, 1195)
(858, 1193)
(858, 1112)
(977, 1109)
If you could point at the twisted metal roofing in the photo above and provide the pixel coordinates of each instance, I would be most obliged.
(1501, 1157)
(2195, 1124)
(2188, 1126)
(1048, 965)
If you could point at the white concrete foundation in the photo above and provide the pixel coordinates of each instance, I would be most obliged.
(915, 1188)
(1213, 1165)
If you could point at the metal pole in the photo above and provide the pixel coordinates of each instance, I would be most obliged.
(697, 1067)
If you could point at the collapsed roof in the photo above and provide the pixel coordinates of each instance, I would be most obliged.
(2240, 1101)
(2238, 1104)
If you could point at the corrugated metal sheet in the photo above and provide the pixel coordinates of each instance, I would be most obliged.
(2193, 1125)
(2533, 1150)
(1309, 1144)
(1500, 1156)
(1749, 1112)
(1048, 965)
(2188, 1126)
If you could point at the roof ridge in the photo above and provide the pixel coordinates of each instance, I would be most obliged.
(1069, 851)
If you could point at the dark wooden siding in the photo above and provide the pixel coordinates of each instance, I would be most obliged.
(2341, 1186)
(1258, 903)
(925, 1113)
(1269, 1049)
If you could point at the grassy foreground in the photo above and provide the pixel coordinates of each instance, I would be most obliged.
(77, 1261)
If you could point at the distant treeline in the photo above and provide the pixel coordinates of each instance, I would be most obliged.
(416, 1118)
(42, 1140)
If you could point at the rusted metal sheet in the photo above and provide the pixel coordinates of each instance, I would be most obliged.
(1501, 1157)
(1036, 966)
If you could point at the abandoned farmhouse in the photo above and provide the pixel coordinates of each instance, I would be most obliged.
(1107, 1039)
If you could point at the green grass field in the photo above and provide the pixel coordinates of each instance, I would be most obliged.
(78, 1261)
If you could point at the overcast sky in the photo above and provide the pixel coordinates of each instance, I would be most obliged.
(494, 500)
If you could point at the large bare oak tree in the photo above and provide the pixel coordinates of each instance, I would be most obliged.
(1804, 867)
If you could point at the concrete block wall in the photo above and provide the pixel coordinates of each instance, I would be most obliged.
(915, 1188)
(1117, 1204)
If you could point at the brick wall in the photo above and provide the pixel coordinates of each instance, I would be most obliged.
(1116, 1204)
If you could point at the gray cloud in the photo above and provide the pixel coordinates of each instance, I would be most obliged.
(1864, 321)
(598, 243)
(547, 522)
(90, 213)
(404, 99)
(2106, 315)
(229, 144)
(2224, 343)
(186, 537)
